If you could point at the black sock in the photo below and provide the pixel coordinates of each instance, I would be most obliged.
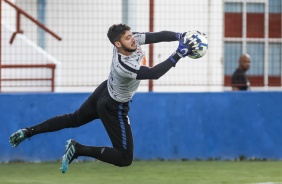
(28, 133)
(105, 154)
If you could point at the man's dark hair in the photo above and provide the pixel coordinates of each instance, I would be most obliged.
(116, 31)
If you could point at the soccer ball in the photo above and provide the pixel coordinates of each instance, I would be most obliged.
(200, 43)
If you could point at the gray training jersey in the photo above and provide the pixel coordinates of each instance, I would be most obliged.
(122, 82)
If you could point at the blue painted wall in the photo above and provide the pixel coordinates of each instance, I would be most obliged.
(165, 125)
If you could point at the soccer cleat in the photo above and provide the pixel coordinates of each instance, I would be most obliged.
(69, 156)
(17, 137)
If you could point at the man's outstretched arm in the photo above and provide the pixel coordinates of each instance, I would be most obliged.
(185, 47)
(159, 70)
(162, 36)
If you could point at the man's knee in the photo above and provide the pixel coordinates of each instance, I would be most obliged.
(126, 160)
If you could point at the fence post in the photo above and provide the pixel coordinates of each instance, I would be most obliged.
(151, 47)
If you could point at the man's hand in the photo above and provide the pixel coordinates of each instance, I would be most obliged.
(185, 46)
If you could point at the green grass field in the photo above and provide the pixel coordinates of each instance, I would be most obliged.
(145, 172)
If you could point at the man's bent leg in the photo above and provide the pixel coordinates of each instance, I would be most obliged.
(115, 120)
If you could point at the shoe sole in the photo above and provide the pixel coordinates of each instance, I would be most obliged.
(65, 164)
(65, 160)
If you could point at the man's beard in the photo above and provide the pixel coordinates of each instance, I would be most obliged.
(128, 49)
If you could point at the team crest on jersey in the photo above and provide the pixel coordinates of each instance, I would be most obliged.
(143, 61)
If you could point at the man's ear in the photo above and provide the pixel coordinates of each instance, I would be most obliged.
(117, 44)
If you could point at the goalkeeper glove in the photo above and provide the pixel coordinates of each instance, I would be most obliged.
(185, 46)
(177, 54)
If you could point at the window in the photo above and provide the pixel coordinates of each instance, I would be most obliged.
(231, 52)
(274, 64)
(233, 20)
(275, 19)
(253, 27)
(256, 51)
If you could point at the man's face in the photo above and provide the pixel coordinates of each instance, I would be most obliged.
(127, 42)
(245, 63)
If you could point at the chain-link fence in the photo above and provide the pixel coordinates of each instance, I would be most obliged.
(49, 45)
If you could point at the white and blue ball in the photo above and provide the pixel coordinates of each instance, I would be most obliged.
(200, 43)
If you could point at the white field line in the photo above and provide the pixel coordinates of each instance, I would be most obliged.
(268, 183)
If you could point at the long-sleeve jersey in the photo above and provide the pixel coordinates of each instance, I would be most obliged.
(127, 71)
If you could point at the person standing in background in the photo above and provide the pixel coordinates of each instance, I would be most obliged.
(239, 79)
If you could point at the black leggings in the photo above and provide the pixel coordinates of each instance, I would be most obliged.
(114, 116)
